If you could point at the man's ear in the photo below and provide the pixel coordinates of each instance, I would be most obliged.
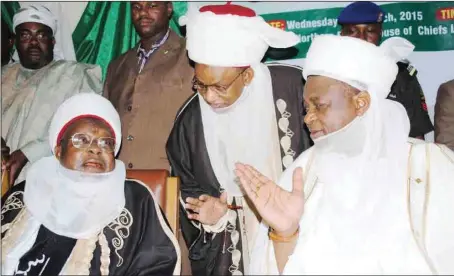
(248, 76)
(57, 151)
(169, 9)
(362, 102)
(53, 41)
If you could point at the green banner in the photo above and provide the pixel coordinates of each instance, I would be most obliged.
(428, 25)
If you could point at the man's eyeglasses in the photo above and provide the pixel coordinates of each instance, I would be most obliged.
(84, 141)
(217, 88)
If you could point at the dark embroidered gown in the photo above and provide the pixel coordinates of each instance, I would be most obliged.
(186, 149)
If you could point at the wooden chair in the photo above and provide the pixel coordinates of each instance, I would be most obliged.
(5, 182)
(166, 190)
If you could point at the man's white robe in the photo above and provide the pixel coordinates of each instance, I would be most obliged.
(389, 241)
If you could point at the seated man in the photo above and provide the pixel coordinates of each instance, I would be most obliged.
(75, 214)
(244, 110)
(34, 88)
(370, 200)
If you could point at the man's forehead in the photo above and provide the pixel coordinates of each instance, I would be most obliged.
(33, 26)
(361, 25)
(88, 123)
(213, 74)
(317, 86)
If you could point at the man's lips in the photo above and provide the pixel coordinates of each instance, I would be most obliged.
(316, 133)
(34, 52)
(145, 22)
(93, 163)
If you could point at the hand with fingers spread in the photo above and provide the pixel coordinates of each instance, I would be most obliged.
(207, 209)
(282, 210)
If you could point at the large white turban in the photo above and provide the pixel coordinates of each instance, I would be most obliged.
(36, 14)
(357, 62)
(231, 36)
(84, 105)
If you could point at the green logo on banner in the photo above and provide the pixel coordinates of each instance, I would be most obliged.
(429, 26)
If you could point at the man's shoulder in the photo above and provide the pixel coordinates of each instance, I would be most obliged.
(436, 151)
(406, 69)
(448, 86)
(131, 53)
(137, 190)
(285, 70)
(190, 108)
(71, 64)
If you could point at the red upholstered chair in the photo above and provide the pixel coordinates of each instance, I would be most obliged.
(165, 188)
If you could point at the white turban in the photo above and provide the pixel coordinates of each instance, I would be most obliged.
(356, 62)
(36, 14)
(84, 105)
(217, 36)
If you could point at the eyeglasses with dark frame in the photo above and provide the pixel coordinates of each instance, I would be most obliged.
(219, 89)
(84, 141)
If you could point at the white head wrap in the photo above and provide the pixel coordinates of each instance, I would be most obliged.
(84, 105)
(73, 203)
(231, 40)
(38, 14)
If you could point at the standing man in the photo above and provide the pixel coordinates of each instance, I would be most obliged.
(444, 115)
(364, 20)
(148, 84)
(34, 88)
(244, 110)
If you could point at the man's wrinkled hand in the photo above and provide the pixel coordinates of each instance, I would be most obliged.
(15, 164)
(207, 209)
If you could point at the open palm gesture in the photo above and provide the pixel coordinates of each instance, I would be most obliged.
(282, 210)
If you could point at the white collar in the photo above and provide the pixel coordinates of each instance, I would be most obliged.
(71, 203)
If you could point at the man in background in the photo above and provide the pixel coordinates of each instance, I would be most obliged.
(34, 88)
(148, 84)
(364, 20)
(444, 115)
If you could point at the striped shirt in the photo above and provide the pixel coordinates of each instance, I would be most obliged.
(144, 55)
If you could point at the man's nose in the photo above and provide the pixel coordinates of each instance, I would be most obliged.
(210, 96)
(309, 118)
(94, 148)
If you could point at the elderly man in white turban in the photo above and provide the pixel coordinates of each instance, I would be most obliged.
(34, 88)
(244, 110)
(76, 214)
(364, 199)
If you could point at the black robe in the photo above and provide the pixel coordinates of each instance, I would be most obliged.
(188, 156)
(145, 250)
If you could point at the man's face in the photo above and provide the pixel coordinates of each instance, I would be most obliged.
(76, 153)
(35, 45)
(331, 105)
(367, 32)
(220, 87)
(150, 18)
